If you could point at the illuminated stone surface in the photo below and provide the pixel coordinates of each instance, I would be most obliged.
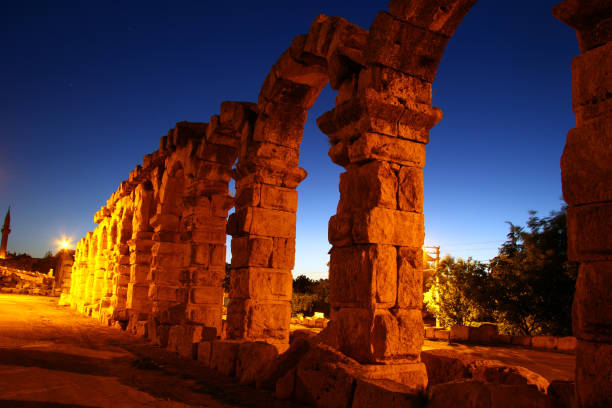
(157, 255)
(585, 173)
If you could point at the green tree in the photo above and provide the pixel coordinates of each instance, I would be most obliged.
(457, 289)
(532, 282)
(226, 280)
(310, 296)
(303, 284)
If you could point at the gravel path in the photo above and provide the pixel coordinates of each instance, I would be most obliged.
(50, 356)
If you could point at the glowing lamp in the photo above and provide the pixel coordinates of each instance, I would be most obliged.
(64, 243)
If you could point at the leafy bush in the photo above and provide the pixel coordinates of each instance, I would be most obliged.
(310, 296)
(527, 288)
(532, 282)
(452, 296)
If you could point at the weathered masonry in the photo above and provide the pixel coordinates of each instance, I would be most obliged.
(157, 257)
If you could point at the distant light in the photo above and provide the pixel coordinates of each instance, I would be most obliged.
(64, 243)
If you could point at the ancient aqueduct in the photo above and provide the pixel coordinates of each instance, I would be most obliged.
(157, 256)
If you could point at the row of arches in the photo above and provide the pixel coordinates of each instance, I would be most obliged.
(158, 253)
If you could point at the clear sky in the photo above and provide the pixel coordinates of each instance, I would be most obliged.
(89, 87)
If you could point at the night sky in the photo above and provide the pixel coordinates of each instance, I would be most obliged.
(88, 88)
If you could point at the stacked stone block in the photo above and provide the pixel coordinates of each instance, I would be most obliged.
(63, 275)
(78, 283)
(267, 174)
(165, 226)
(158, 253)
(586, 172)
(139, 247)
(378, 131)
(114, 305)
(205, 220)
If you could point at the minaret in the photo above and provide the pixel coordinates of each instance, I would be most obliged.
(6, 230)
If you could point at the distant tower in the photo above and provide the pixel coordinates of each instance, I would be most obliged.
(6, 230)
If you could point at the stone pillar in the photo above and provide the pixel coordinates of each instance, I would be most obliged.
(168, 252)
(263, 225)
(586, 171)
(74, 294)
(378, 131)
(111, 264)
(63, 277)
(138, 302)
(378, 230)
(206, 218)
(100, 262)
(121, 260)
(91, 270)
(263, 250)
(80, 273)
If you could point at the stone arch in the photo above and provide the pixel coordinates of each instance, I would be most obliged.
(188, 251)
(267, 174)
(378, 131)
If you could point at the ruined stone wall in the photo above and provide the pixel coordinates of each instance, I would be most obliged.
(156, 259)
(158, 252)
(586, 174)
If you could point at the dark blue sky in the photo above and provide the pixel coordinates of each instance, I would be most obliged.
(89, 87)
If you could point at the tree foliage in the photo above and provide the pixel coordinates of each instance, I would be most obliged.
(527, 288)
(453, 296)
(303, 284)
(531, 280)
(310, 296)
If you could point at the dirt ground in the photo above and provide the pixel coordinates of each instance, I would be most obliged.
(52, 357)
(550, 365)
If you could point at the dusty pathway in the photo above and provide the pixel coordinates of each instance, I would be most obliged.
(551, 365)
(52, 357)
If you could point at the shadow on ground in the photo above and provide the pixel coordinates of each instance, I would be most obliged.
(51, 360)
(38, 404)
(155, 371)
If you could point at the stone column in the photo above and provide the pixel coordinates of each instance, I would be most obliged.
(80, 274)
(378, 131)
(121, 255)
(63, 278)
(94, 244)
(378, 230)
(168, 252)
(138, 302)
(263, 225)
(263, 247)
(586, 171)
(205, 220)
(106, 311)
(100, 262)
(76, 277)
